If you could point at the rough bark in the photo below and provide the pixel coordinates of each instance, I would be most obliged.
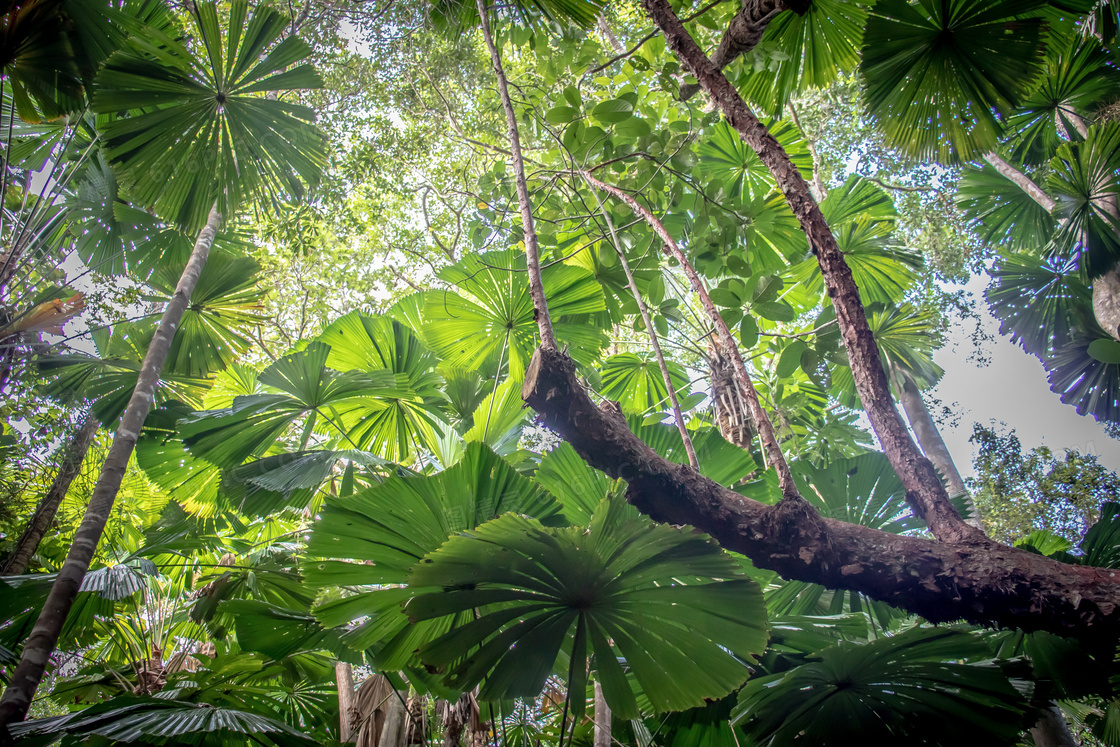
(924, 490)
(979, 580)
(1106, 301)
(1052, 730)
(742, 35)
(532, 254)
(674, 403)
(44, 636)
(68, 468)
(602, 719)
(770, 446)
(344, 679)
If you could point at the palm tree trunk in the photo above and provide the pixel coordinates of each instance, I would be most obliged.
(44, 636)
(923, 486)
(602, 719)
(532, 255)
(934, 446)
(1051, 730)
(72, 458)
(344, 679)
(929, 438)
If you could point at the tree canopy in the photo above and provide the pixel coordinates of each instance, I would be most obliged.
(551, 371)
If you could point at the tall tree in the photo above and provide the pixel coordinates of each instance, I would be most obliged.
(198, 107)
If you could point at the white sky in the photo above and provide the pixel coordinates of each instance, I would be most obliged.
(1010, 391)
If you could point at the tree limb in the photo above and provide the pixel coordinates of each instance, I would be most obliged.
(980, 581)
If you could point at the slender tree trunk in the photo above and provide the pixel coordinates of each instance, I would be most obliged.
(69, 467)
(532, 254)
(1021, 180)
(344, 679)
(770, 445)
(602, 719)
(933, 445)
(923, 487)
(44, 636)
(644, 311)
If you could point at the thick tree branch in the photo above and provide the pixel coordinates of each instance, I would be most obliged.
(923, 487)
(979, 581)
(743, 33)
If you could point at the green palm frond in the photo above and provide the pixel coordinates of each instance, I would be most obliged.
(927, 686)
(108, 379)
(224, 305)
(1077, 80)
(802, 51)
(936, 72)
(577, 486)
(621, 589)
(395, 524)
(202, 105)
(494, 319)
(1039, 302)
(1083, 180)
(38, 61)
(1001, 212)
(297, 385)
(636, 383)
(393, 426)
(157, 721)
(738, 168)
(1086, 373)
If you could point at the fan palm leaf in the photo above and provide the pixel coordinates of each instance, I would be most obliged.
(200, 105)
(394, 525)
(624, 588)
(493, 319)
(936, 72)
(911, 688)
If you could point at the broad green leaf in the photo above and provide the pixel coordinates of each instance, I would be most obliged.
(937, 72)
(197, 135)
(623, 588)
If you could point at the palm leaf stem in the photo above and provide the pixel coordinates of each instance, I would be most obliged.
(771, 448)
(7, 152)
(44, 636)
(644, 310)
(532, 254)
(1021, 180)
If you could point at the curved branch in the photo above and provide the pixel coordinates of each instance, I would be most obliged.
(981, 581)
